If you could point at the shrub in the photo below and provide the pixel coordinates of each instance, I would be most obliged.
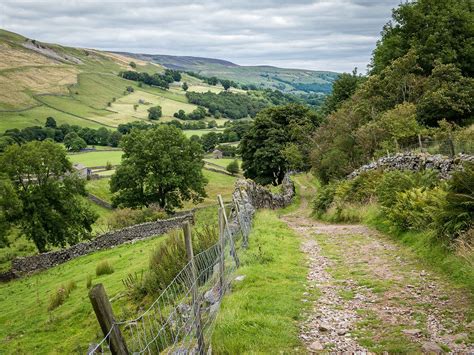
(170, 257)
(455, 214)
(324, 198)
(396, 181)
(125, 217)
(103, 268)
(233, 167)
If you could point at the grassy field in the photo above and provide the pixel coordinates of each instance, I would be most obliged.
(200, 132)
(222, 162)
(29, 328)
(260, 314)
(88, 92)
(99, 158)
(100, 188)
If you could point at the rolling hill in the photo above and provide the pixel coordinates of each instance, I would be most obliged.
(264, 76)
(78, 86)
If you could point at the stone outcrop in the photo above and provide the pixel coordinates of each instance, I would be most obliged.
(445, 166)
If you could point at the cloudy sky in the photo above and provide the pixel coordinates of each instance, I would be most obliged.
(319, 34)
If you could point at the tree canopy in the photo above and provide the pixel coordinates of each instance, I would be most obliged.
(40, 195)
(159, 166)
(273, 130)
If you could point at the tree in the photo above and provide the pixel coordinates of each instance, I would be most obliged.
(154, 113)
(209, 141)
(114, 139)
(50, 122)
(273, 129)
(233, 167)
(41, 196)
(226, 84)
(77, 145)
(133, 65)
(185, 86)
(159, 166)
(436, 30)
(343, 88)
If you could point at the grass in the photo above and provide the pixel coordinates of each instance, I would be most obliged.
(223, 162)
(100, 188)
(200, 132)
(27, 325)
(262, 312)
(100, 158)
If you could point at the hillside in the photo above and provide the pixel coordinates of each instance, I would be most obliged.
(78, 86)
(287, 80)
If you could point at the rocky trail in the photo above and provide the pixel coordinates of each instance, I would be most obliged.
(370, 294)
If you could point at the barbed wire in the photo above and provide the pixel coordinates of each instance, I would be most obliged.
(182, 318)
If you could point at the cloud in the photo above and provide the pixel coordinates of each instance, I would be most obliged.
(321, 35)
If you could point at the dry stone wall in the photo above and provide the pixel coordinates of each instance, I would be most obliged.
(445, 166)
(29, 264)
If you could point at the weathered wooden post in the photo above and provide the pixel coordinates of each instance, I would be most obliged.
(188, 241)
(227, 229)
(242, 224)
(222, 251)
(105, 316)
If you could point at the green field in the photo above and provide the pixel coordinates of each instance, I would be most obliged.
(100, 158)
(223, 162)
(100, 188)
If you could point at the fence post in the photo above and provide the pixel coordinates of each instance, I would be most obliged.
(188, 241)
(451, 145)
(222, 253)
(420, 143)
(105, 316)
(242, 224)
(226, 222)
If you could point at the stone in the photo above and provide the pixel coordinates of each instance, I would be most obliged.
(240, 278)
(413, 332)
(316, 346)
(431, 347)
(211, 296)
(324, 327)
(341, 332)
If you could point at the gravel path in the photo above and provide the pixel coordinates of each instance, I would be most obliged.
(372, 295)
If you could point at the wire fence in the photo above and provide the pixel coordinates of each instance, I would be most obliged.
(450, 146)
(181, 319)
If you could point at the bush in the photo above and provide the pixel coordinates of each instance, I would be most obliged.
(170, 257)
(233, 167)
(324, 198)
(396, 181)
(104, 268)
(455, 214)
(108, 166)
(125, 217)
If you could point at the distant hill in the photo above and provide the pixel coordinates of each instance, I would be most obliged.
(264, 76)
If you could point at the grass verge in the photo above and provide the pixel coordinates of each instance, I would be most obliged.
(261, 313)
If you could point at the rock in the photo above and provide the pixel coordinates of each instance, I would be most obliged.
(324, 327)
(240, 278)
(413, 332)
(316, 346)
(431, 347)
(211, 296)
(342, 332)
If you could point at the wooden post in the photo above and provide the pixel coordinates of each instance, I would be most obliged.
(451, 145)
(242, 224)
(222, 253)
(188, 241)
(105, 316)
(226, 222)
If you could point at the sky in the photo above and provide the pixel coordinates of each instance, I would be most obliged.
(335, 35)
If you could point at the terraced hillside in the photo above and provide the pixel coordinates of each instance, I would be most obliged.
(78, 86)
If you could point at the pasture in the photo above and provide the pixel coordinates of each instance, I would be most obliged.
(98, 158)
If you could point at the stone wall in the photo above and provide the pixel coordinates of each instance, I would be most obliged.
(445, 166)
(29, 264)
(247, 194)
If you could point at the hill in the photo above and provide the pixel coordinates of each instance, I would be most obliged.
(287, 80)
(78, 86)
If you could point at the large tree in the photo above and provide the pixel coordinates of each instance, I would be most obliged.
(42, 197)
(273, 131)
(159, 166)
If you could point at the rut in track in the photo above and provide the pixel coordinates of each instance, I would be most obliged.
(372, 294)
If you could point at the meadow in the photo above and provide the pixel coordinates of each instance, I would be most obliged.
(98, 158)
